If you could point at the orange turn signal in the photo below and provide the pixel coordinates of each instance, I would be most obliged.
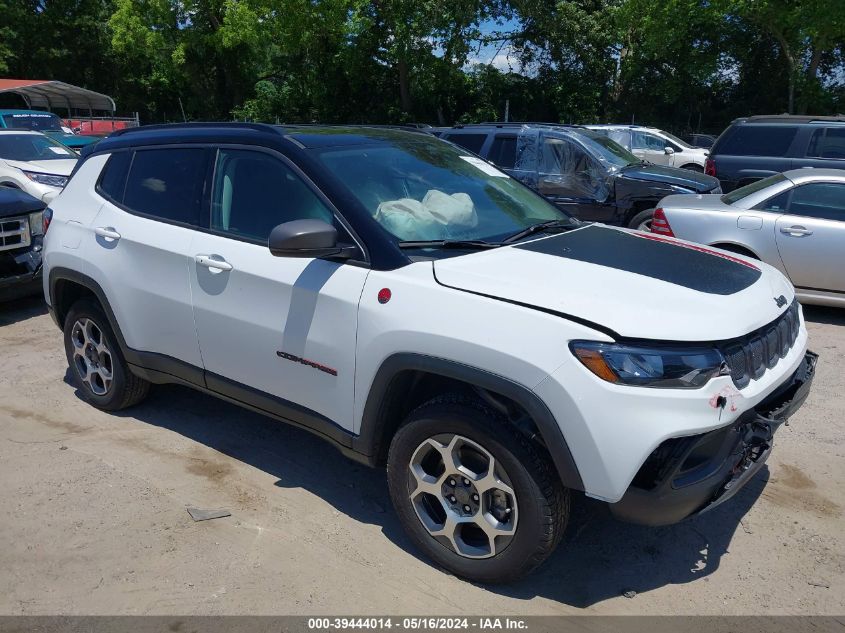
(594, 361)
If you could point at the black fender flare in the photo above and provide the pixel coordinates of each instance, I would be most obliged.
(374, 423)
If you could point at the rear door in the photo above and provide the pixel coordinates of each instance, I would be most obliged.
(141, 254)
(826, 148)
(811, 236)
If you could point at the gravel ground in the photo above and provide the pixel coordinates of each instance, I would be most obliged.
(95, 519)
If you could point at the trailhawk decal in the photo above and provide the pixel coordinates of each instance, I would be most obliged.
(694, 267)
(305, 361)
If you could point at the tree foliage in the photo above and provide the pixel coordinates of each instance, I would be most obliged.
(682, 64)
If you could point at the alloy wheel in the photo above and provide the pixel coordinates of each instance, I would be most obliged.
(92, 357)
(462, 496)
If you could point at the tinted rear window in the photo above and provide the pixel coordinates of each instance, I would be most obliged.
(113, 178)
(503, 151)
(828, 143)
(167, 184)
(757, 140)
(472, 142)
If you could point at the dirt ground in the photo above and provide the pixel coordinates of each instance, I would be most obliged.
(94, 515)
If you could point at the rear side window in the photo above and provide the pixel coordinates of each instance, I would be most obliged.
(113, 178)
(503, 151)
(757, 140)
(166, 184)
(472, 142)
(828, 143)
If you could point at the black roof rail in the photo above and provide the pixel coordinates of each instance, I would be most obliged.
(793, 118)
(258, 127)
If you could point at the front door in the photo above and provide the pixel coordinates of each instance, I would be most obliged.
(573, 180)
(277, 332)
(651, 148)
(811, 237)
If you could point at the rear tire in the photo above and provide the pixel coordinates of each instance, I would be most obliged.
(694, 167)
(485, 525)
(96, 363)
(642, 221)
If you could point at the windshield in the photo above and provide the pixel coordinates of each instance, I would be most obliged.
(738, 194)
(33, 121)
(607, 150)
(422, 189)
(27, 147)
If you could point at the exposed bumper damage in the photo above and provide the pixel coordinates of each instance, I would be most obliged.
(690, 475)
(20, 249)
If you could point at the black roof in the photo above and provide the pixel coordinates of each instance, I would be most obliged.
(302, 135)
(792, 118)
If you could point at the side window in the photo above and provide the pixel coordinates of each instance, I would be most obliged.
(823, 200)
(166, 184)
(757, 140)
(638, 140)
(775, 204)
(472, 142)
(253, 192)
(113, 178)
(623, 137)
(655, 142)
(829, 143)
(503, 151)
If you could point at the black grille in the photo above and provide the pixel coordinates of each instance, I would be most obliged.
(750, 356)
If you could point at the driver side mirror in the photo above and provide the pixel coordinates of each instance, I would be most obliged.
(308, 238)
(668, 150)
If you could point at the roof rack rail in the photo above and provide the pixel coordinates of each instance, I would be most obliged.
(259, 127)
(515, 124)
(793, 118)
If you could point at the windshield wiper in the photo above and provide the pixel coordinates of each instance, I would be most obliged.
(466, 244)
(551, 225)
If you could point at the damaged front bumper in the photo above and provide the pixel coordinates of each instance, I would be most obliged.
(690, 475)
(20, 271)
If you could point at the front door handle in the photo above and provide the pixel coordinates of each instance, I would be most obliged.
(214, 262)
(795, 231)
(107, 232)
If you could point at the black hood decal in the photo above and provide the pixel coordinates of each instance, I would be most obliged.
(697, 268)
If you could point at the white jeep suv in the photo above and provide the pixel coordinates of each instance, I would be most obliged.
(416, 307)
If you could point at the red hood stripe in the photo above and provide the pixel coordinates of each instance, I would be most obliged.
(692, 247)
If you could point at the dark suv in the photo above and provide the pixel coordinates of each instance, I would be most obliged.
(759, 146)
(581, 171)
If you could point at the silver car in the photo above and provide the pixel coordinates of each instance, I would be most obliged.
(794, 221)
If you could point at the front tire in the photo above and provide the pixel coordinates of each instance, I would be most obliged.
(473, 493)
(96, 363)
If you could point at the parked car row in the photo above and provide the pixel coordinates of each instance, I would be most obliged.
(582, 171)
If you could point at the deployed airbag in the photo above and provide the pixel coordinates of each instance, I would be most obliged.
(432, 219)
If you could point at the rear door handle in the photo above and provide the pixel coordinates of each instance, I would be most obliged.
(107, 232)
(795, 231)
(214, 262)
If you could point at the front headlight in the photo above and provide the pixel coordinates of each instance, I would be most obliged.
(36, 223)
(46, 179)
(645, 366)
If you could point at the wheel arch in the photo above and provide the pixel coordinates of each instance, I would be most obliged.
(67, 286)
(404, 381)
(735, 247)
